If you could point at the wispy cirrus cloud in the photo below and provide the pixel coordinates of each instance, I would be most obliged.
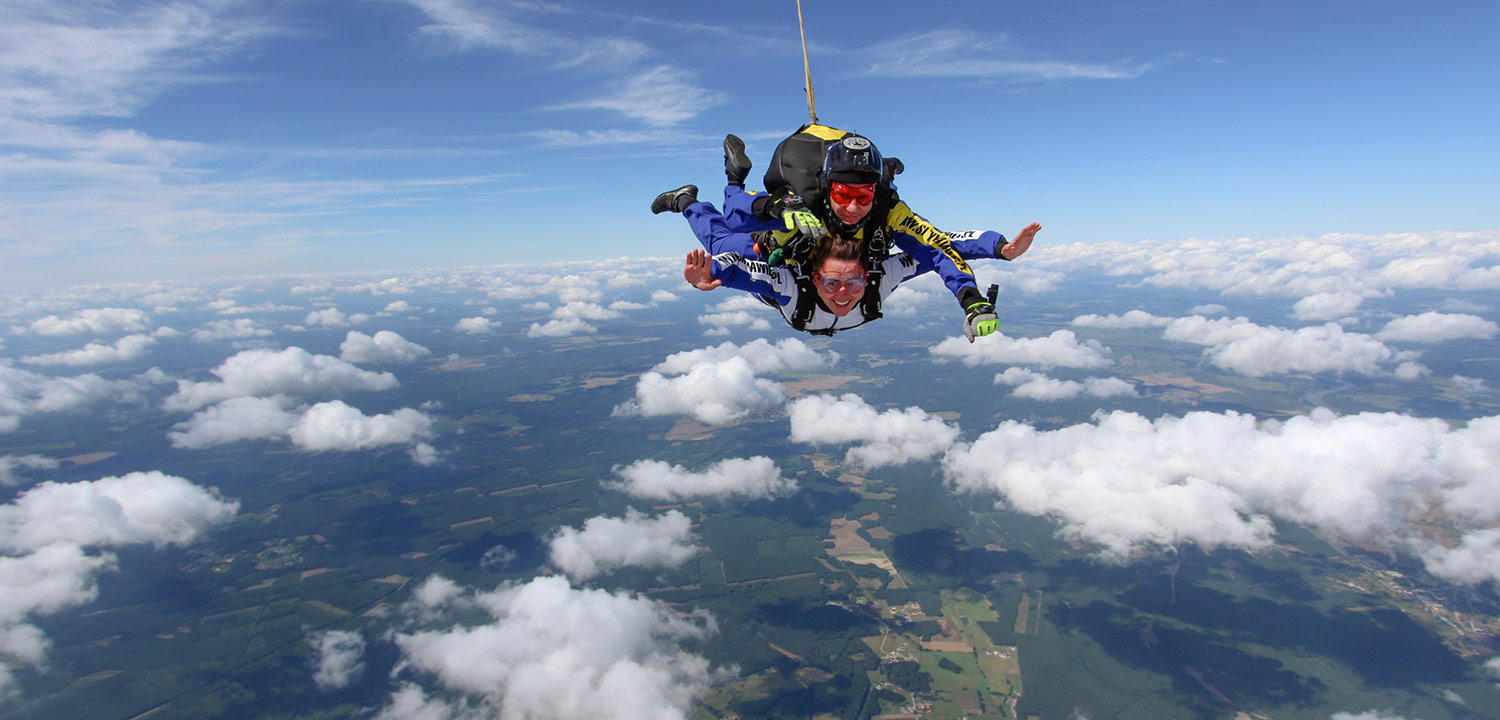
(657, 95)
(466, 25)
(554, 137)
(70, 182)
(966, 54)
(62, 60)
(82, 178)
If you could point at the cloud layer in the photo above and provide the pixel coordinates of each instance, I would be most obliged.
(25, 393)
(1128, 484)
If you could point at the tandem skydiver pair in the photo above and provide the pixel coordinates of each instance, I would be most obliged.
(817, 245)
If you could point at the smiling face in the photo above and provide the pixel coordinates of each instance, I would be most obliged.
(838, 273)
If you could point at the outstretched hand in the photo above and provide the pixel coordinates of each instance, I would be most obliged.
(1014, 248)
(698, 270)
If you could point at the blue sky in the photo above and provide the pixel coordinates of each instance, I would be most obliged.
(202, 139)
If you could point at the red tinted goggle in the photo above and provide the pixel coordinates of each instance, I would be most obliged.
(846, 194)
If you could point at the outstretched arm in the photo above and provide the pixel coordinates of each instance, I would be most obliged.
(1014, 248)
(698, 270)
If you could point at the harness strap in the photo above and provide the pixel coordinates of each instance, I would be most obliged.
(807, 303)
(869, 305)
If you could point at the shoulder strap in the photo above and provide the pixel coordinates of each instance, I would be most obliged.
(869, 305)
(877, 236)
(807, 303)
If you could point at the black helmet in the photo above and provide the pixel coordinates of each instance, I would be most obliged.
(853, 159)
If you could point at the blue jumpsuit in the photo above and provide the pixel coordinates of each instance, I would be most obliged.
(932, 248)
(737, 265)
(726, 232)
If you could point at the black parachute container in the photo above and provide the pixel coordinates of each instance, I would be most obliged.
(798, 161)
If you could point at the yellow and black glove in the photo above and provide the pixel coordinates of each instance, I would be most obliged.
(799, 219)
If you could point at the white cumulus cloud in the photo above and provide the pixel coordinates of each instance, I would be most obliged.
(333, 317)
(46, 533)
(475, 325)
(565, 327)
(263, 373)
(339, 658)
(584, 311)
(756, 477)
(711, 392)
(334, 425)
(1127, 484)
(141, 507)
(552, 652)
(605, 544)
(880, 438)
(129, 347)
(232, 329)
(11, 464)
(325, 426)
(1130, 320)
(384, 346)
(785, 355)
(97, 321)
(1325, 306)
(1037, 386)
(1241, 346)
(720, 322)
(1060, 349)
(720, 384)
(1431, 327)
(234, 420)
(24, 393)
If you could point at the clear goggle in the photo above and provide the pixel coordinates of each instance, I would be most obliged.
(832, 284)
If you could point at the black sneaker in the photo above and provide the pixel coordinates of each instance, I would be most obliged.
(736, 163)
(675, 200)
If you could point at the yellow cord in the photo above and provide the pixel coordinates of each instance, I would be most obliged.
(812, 111)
